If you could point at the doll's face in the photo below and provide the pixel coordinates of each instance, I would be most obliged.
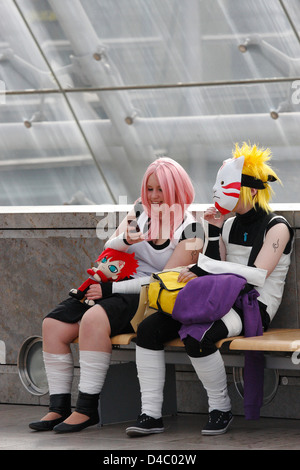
(110, 269)
(227, 188)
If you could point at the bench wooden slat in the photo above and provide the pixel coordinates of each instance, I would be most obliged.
(288, 335)
(285, 340)
(125, 338)
(178, 343)
(226, 340)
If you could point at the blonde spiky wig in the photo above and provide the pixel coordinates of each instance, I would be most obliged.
(259, 173)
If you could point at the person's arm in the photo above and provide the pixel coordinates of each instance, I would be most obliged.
(275, 242)
(126, 234)
(185, 254)
(215, 248)
(213, 242)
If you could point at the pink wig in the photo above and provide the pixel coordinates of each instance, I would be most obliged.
(178, 193)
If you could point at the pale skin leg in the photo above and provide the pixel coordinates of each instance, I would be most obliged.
(94, 335)
(57, 337)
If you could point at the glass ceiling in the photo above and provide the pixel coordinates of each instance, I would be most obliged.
(94, 90)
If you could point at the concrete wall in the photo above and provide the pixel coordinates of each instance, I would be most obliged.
(43, 254)
(46, 251)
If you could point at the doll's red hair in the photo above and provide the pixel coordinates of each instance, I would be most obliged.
(130, 262)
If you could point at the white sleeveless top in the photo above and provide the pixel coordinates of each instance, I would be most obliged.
(272, 291)
(153, 258)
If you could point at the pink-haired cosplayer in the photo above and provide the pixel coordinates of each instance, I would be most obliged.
(178, 194)
(155, 249)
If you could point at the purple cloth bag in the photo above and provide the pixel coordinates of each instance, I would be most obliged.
(204, 300)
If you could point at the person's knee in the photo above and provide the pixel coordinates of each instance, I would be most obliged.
(195, 348)
(49, 326)
(233, 323)
(58, 335)
(95, 318)
(148, 334)
(207, 345)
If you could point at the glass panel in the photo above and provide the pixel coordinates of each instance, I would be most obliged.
(293, 10)
(100, 43)
(118, 147)
(44, 158)
(21, 63)
(197, 126)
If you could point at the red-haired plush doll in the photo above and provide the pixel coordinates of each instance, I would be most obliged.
(112, 266)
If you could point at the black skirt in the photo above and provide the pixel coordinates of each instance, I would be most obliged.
(120, 309)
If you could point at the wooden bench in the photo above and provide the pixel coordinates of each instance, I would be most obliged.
(275, 340)
(119, 340)
(279, 345)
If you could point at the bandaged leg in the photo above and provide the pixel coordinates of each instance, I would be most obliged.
(93, 369)
(151, 373)
(233, 323)
(211, 371)
(59, 370)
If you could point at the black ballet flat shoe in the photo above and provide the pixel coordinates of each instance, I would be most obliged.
(87, 405)
(46, 425)
(59, 403)
(66, 428)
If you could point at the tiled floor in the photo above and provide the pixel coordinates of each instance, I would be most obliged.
(183, 432)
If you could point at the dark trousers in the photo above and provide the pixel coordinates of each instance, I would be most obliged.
(159, 328)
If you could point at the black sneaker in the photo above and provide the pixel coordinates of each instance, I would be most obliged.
(218, 423)
(145, 425)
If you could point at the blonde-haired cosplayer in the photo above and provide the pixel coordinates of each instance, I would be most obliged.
(253, 243)
(260, 173)
(247, 169)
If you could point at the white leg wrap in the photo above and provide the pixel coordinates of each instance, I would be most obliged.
(93, 369)
(233, 323)
(59, 370)
(151, 373)
(211, 371)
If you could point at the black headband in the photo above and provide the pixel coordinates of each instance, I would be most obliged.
(252, 182)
